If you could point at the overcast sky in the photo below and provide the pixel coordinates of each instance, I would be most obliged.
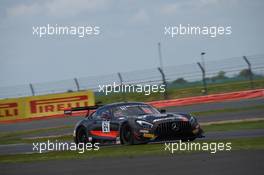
(129, 33)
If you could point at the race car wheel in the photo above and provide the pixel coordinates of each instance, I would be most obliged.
(127, 137)
(81, 136)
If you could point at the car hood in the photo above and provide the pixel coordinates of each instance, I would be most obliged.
(163, 117)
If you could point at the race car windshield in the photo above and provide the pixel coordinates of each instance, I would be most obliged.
(134, 110)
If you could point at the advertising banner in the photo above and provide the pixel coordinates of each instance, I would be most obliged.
(43, 106)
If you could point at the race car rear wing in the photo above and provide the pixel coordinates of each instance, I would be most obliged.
(84, 108)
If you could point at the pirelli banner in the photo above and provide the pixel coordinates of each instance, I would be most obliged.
(43, 106)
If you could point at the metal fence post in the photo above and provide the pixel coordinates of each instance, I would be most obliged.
(204, 79)
(164, 82)
(160, 56)
(121, 84)
(77, 84)
(250, 72)
(32, 89)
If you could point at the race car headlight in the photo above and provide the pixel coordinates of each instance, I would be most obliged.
(193, 120)
(144, 124)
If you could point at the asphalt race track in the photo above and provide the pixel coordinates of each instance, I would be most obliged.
(234, 162)
(224, 163)
(70, 121)
(23, 148)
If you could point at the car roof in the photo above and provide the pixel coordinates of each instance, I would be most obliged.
(122, 103)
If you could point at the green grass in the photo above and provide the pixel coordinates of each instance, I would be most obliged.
(243, 125)
(18, 136)
(228, 110)
(127, 151)
(45, 139)
(174, 93)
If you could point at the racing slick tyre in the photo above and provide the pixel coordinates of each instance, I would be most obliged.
(81, 136)
(126, 135)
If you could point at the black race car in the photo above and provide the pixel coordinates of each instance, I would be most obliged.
(133, 123)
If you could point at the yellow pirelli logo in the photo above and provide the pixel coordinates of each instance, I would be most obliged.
(8, 109)
(57, 104)
(45, 105)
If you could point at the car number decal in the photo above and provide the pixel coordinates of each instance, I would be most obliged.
(106, 126)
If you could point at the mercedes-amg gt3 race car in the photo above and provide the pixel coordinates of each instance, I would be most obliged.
(133, 123)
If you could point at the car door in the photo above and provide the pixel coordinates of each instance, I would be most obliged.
(103, 127)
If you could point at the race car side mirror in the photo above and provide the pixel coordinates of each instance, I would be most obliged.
(162, 111)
